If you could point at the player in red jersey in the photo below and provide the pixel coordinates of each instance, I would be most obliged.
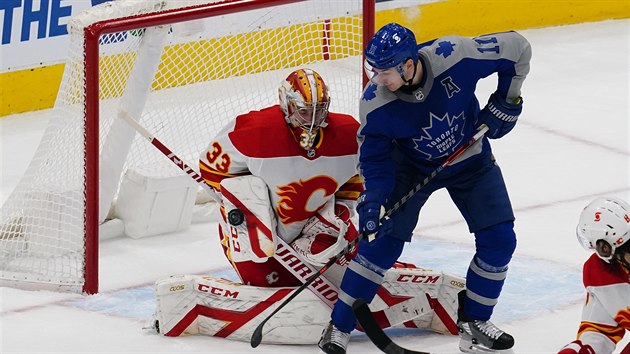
(604, 226)
(307, 157)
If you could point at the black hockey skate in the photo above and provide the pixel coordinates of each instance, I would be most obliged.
(333, 340)
(480, 336)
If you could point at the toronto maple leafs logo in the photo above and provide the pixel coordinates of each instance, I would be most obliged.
(441, 136)
(445, 49)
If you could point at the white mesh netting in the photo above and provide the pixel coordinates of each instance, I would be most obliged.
(182, 82)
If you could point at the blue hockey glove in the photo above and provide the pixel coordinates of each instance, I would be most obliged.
(500, 116)
(370, 209)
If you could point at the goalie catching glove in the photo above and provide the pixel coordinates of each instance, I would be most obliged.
(327, 233)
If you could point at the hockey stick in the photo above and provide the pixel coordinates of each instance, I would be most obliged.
(361, 309)
(481, 130)
(375, 332)
(257, 335)
(168, 153)
(301, 270)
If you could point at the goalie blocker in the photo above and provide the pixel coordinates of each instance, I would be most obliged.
(409, 296)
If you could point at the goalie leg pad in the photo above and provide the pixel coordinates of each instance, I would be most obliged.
(418, 298)
(217, 307)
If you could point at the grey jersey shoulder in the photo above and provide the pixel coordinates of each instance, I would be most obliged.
(447, 51)
(372, 98)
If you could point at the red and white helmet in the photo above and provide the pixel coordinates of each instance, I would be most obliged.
(304, 99)
(604, 226)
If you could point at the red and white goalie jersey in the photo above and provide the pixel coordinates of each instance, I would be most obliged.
(261, 143)
(300, 182)
(606, 314)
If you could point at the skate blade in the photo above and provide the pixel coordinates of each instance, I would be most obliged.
(467, 346)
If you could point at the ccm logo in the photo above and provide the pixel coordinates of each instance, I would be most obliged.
(416, 278)
(598, 216)
(217, 291)
(458, 284)
(176, 287)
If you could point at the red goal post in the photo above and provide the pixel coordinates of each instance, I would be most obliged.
(182, 72)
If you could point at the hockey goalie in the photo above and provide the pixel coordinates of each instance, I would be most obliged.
(287, 180)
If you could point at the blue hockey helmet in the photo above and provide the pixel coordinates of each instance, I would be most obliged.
(391, 46)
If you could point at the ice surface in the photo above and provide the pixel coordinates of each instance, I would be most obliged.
(570, 145)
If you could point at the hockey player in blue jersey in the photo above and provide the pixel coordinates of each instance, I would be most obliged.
(419, 107)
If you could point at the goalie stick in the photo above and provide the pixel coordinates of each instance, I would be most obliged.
(257, 335)
(375, 332)
(169, 154)
(322, 289)
(256, 338)
(284, 253)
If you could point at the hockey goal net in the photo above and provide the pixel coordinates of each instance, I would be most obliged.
(181, 69)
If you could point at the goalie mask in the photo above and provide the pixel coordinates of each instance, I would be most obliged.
(604, 226)
(304, 100)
